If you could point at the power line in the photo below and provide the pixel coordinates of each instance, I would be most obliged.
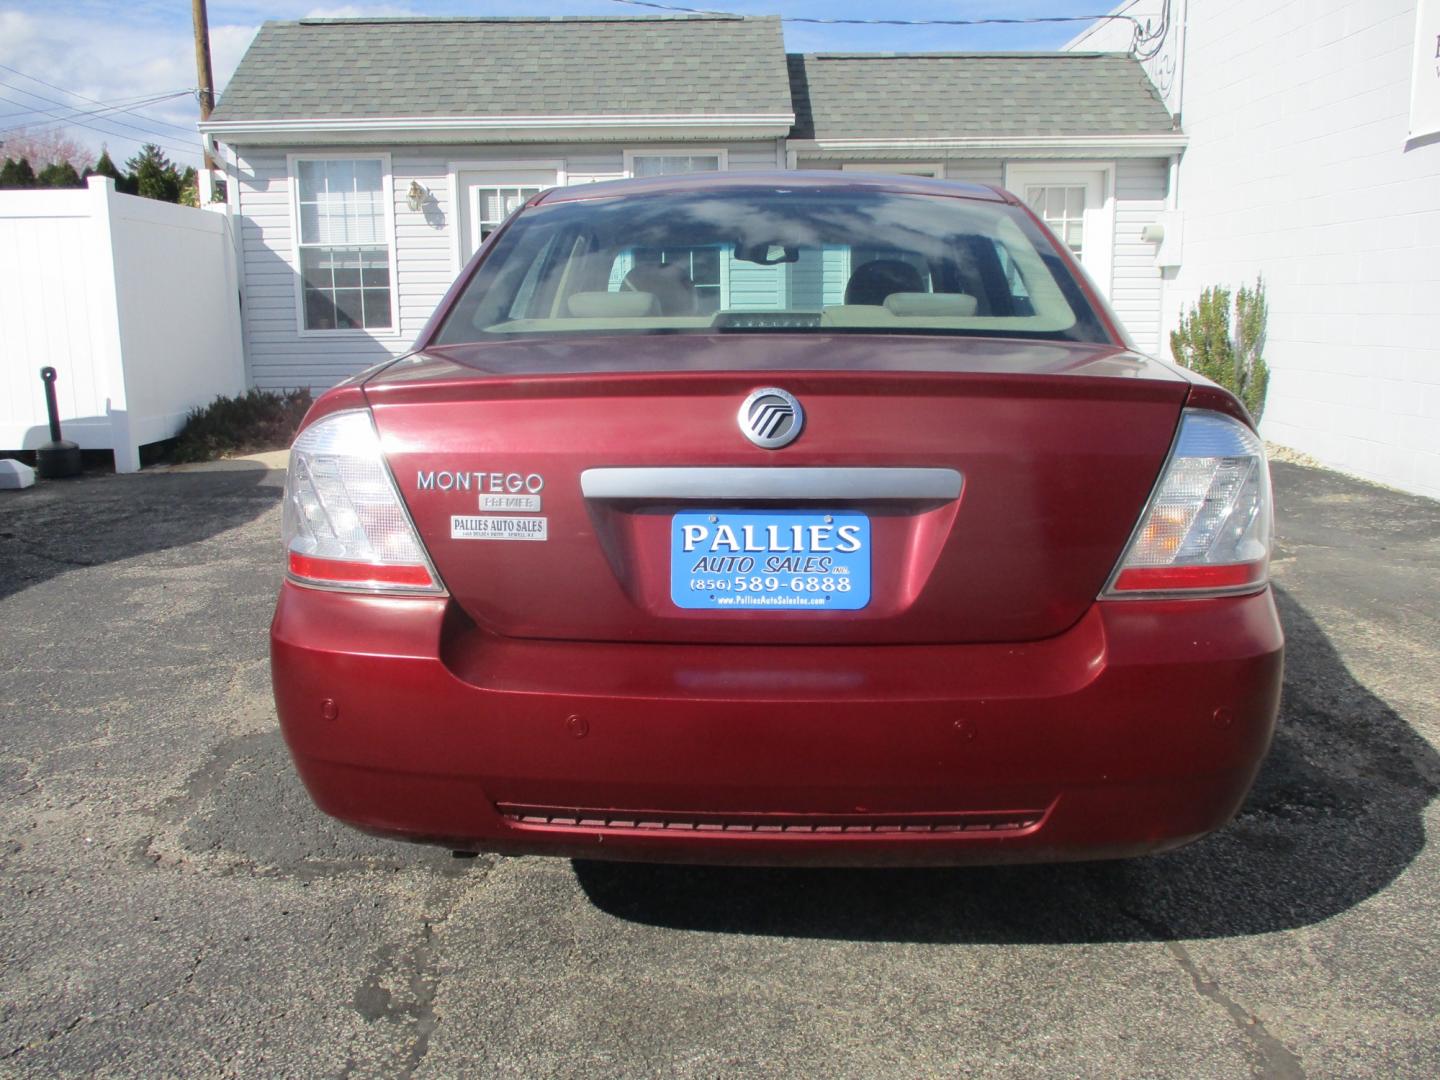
(81, 123)
(82, 97)
(1132, 20)
(95, 114)
(103, 111)
(119, 103)
(81, 118)
(1145, 43)
(1147, 46)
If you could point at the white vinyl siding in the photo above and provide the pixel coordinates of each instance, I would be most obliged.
(966, 170)
(978, 171)
(278, 355)
(932, 169)
(817, 280)
(1137, 287)
(749, 287)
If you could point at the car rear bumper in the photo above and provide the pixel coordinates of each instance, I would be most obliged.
(1138, 729)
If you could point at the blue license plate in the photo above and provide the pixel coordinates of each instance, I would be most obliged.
(773, 560)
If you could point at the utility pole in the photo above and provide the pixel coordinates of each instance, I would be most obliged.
(206, 84)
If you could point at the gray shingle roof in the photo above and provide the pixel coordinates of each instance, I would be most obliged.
(509, 67)
(971, 95)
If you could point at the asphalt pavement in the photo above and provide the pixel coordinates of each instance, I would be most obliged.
(172, 905)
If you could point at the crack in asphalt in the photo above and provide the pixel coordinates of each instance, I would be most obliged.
(81, 1018)
(144, 1006)
(1276, 1060)
(50, 1037)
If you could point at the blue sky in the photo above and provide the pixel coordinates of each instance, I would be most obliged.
(112, 53)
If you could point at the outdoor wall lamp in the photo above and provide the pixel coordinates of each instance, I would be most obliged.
(416, 196)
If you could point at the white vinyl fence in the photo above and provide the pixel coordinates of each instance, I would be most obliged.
(134, 303)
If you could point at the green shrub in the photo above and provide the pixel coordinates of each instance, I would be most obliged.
(1227, 346)
(250, 422)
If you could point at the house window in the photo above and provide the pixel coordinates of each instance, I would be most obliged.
(343, 244)
(668, 162)
(1062, 207)
(494, 204)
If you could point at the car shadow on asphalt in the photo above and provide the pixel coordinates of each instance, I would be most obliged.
(60, 525)
(1334, 817)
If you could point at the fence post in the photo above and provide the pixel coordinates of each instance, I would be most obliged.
(104, 284)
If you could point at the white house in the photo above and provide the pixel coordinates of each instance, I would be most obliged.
(368, 158)
(1313, 159)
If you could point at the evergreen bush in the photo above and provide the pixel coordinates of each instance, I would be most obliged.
(1227, 344)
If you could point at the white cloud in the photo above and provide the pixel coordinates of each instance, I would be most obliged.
(111, 61)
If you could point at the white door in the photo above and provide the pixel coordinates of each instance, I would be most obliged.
(488, 195)
(1075, 203)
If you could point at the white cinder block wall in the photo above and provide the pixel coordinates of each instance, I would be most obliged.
(1298, 169)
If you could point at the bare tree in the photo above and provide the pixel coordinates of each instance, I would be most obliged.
(46, 146)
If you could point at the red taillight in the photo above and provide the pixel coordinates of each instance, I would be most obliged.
(1174, 578)
(342, 572)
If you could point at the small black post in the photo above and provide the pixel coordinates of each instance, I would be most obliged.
(47, 374)
(59, 457)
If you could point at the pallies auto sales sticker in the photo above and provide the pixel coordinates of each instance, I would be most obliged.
(497, 527)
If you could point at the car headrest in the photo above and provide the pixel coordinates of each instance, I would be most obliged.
(612, 305)
(953, 305)
(874, 280)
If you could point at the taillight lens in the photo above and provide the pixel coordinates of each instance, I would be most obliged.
(1206, 530)
(344, 524)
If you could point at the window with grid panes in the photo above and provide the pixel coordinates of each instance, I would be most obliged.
(343, 244)
(496, 203)
(667, 164)
(1062, 207)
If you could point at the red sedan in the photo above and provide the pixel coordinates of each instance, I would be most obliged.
(786, 518)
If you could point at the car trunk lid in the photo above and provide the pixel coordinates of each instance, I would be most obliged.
(997, 481)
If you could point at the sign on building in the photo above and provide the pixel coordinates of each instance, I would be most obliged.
(1425, 79)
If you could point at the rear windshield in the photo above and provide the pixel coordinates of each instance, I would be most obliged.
(772, 260)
